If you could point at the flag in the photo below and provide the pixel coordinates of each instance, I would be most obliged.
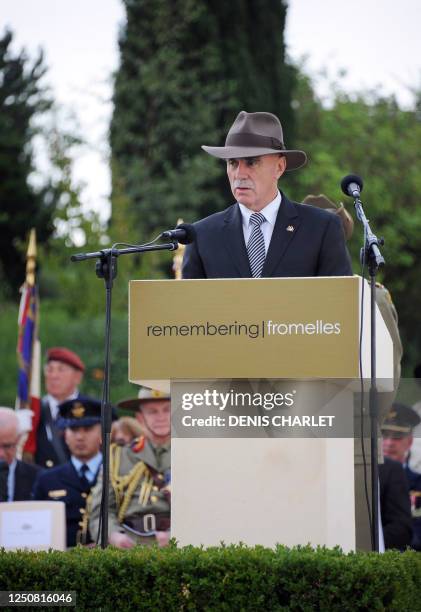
(29, 348)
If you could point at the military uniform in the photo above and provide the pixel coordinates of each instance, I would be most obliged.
(63, 483)
(72, 481)
(139, 502)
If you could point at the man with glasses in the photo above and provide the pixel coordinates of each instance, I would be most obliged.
(16, 477)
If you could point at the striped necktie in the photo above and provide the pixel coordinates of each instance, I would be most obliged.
(256, 245)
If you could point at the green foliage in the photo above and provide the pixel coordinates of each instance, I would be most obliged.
(187, 68)
(370, 135)
(223, 578)
(83, 333)
(22, 99)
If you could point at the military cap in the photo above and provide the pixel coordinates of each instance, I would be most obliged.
(80, 412)
(401, 419)
(144, 395)
(322, 201)
(60, 353)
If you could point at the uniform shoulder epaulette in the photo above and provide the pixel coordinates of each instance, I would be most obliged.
(138, 444)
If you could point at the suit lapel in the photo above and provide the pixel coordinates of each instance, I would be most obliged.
(71, 477)
(234, 241)
(286, 226)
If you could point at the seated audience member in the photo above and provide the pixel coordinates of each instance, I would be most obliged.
(17, 477)
(139, 503)
(63, 374)
(395, 506)
(415, 457)
(72, 481)
(125, 430)
(397, 440)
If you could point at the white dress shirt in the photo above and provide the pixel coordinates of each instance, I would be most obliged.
(270, 211)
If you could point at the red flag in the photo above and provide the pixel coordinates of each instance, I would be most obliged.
(28, 348)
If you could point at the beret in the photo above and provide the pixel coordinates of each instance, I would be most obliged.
(60, 353)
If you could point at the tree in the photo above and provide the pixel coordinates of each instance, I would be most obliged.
(187, 68)
(369, 134)
(22, 98)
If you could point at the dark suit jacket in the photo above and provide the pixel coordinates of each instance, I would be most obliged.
(395, 506)
(306, 241)
(62, 483)
(25, 476)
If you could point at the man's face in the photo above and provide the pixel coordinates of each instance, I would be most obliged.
(61, 380)
(396, 448)
(83, 442)
(254, 180)
(9, 438)
(155, 418)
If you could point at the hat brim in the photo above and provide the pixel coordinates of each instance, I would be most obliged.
(84, 422)
(294, 159)
(134, 404)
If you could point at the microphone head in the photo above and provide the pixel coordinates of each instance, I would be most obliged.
(347, 180)
(190, 233)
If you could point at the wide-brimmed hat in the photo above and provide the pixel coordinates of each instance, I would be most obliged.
(321, 201)
(144, 395)
(254, 134)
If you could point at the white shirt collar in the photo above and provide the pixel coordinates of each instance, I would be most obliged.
(93, 464)
(270, 211)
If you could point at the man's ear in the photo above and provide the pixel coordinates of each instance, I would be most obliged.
(281, 166)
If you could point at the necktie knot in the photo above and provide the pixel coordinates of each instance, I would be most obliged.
(257, 219)
(83, 470)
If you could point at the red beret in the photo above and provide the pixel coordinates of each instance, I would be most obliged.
(59, 353)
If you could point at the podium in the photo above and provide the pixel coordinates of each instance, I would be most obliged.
(253, 473)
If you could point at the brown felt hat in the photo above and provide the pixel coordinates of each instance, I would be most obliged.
(321, 201)
(255, 134)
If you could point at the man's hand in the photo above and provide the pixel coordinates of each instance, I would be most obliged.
(162, 538)
(120, 540)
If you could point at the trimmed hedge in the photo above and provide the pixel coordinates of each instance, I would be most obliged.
(223, 578)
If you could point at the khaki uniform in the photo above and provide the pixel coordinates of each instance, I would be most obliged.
(139, 502)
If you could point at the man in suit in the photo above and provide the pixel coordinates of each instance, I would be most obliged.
(72, 481)
(16, 477)
(63, 374)
(397, 431)
(264, 234)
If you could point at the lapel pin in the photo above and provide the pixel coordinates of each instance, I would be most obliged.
(290, 228)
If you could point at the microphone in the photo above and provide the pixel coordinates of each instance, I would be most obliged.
(183, 233)
(352, 185)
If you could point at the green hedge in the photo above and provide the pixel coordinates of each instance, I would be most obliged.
(223, 578)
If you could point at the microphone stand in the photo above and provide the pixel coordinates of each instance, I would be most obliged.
(106, 268)
(370, 254)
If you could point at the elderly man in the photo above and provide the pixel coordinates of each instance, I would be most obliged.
(17, 477)
(139, 509)
(63, 374)
(397, 431)
(72, 481)
(264, 234)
